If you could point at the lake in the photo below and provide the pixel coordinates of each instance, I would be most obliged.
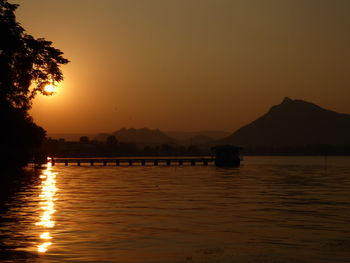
(269, 210)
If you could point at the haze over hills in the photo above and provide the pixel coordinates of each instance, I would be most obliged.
(138, 136)
(145, 135)
(294, 123)
(70, 136)
(183, 136)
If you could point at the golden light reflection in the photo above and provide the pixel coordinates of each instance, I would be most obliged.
(44, 247)
(45, 235)
(47, 205)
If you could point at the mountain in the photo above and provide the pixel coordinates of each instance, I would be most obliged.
(138, 136)
(294, 123)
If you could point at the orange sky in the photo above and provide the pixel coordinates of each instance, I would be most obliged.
(188, 64)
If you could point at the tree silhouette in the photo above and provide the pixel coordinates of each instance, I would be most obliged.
(27, 65)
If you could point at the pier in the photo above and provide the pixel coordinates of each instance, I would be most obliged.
(225, 156)
(141, 161)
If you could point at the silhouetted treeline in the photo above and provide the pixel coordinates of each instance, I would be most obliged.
(27, 65)
(19, 137)
(112, 147)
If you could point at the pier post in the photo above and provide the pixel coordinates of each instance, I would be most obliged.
(181, 162)
(193, 163)
(66, 162)
(168, 162)
(52, 161)
(104, 163)
(78, 163)
(143, 162)
(155, 162)
(130, 163)
(205, 162)
(117, 163)
(92, 163)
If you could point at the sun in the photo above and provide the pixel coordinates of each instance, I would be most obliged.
(49, 89)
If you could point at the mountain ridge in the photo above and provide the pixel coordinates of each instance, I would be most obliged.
(294, 123)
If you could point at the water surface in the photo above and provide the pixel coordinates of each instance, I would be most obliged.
(271, 209)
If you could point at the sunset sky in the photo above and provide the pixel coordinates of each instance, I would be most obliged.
(188, 64)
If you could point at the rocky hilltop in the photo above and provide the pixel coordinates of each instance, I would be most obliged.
(294, 123)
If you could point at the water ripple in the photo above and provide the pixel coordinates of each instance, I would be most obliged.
(272, 209)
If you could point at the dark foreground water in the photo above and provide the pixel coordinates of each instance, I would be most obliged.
(270, 210)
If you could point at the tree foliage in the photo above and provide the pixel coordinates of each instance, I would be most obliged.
(19, 137)
(27, 64)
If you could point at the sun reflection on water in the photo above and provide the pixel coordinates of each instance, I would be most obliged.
(47, 205)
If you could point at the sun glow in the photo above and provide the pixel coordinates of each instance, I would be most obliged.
(50, 89)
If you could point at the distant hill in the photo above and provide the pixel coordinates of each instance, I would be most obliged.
(138, 136)
(294, 123)
(198, 140)
(102, 137)
(185, 136)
